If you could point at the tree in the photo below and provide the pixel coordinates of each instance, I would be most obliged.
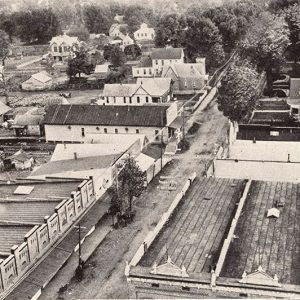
(4, 46)
(170, 30)
(79, 64)
(97, 19)
(37, 26)
(79, 31)
(216, 56)
(237, 94)
(276, 5)
(133, 51)
(131, 182)
(117, 56)
(265, 44)
(9, 26)
(292, 17)
(200, 37)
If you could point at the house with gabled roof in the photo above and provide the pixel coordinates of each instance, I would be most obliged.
(76, 123)
(144, 33)
(144, 68)
(186, 77)
(166, 56)
(63, 46)
(38, 82)
(145, 91)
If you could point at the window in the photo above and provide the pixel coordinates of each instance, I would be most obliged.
(162, 62)
(155, 284)
(65, 48)
(137, 131)
(107, 100)
(138, 99)
(295, 111)
(147, 99)
(185, 288)
(145, 71)
(150, 71)
(126, 130)
(124, 99)
(82, 132)
(156, 135)
(156, 62)
(60, 49)
(145, 34)
(130, 100)
(185, 83)
(55, 49)
(105, 130)
(138, 34)
(116, 131)
(115, 100)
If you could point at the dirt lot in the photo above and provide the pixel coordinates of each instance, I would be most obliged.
(104, 271)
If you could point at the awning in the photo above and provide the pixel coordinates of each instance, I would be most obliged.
(177, 123)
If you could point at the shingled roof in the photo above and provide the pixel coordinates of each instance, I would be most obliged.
(167, 53)
(111, 115)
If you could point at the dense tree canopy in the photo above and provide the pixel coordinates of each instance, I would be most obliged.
(237, 94)
(266, 42)
(79, 64)
(4, 46)
(37, 26)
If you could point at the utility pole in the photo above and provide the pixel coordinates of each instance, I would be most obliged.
(183, 124)
(80, 263)
(161, 143)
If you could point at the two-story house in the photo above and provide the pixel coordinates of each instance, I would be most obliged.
(153, 64)
(144, 33)
(117, 30)
(165, 56)
(74, 123)
(187, 77)
(62, 47)
(145, 91)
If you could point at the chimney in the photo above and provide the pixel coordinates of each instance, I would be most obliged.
(75, 155)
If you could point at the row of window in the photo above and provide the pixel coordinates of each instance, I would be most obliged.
(8, 268)
(138, 100)
(145, 35)
(144, 71)
(60, 49)
(21, 255)
(105, 131)
(165, 60)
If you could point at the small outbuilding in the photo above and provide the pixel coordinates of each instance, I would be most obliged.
(19, 161)
(38, 82)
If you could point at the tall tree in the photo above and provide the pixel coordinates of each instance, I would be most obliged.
(292, 17)
(200, 37)
(4, 46)
(237, 94)
(117, 56)
(170, 30)
(79, 31)
(97, 19)
(131, 181)
(265, 43)
(37, 26)
(79, 64)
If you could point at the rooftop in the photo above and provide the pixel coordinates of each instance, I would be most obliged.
(42, 76)
(194, 234)
(167, 53)
(110, 115)
(145, 62)
(271, 117)
(76, 165)
(273, 104)
(64, 39)
(34, 116)
(20, 212)
(155, 86)
(272, 243)
(191, 70)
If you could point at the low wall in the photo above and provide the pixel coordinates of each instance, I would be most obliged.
(41, 237)
(229, 237)
(257, 170)
(165, 217)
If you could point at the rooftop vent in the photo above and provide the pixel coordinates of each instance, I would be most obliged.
(273, 213)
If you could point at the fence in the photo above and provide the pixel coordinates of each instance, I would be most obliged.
(160, 225)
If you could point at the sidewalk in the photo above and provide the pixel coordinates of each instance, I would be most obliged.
(95, 220)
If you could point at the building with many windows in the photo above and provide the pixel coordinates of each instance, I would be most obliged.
(145, 91)
(144, 33)
(62, 46)
(76, 123)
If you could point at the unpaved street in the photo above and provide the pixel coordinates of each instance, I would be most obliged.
(104, 271)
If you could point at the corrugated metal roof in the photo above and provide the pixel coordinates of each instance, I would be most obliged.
(111, 115)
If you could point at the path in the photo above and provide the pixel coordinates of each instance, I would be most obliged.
(104, 272)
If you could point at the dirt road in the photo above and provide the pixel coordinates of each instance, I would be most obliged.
(104, 271)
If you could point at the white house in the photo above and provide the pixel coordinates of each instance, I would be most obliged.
(115, 30)
(166, 56)
(38, 82)
(62, 46)
(126, 41)
(153, 65)
(187, 77)
(143, 68)
(145, 91)
(145, 33)
(73, 123)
